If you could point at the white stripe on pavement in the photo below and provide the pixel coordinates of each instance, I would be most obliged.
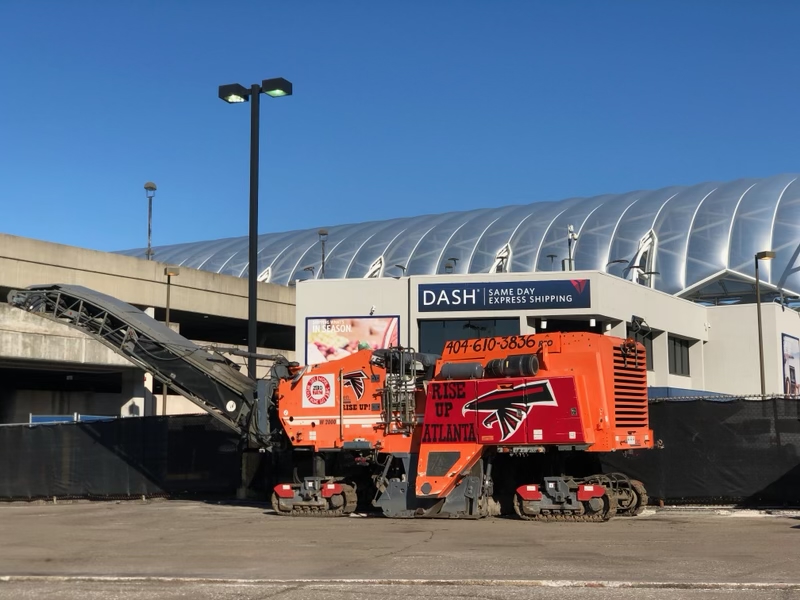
(549, 583)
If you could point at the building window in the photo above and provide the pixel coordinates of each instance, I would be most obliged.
(645, 338)
(678, 356)
(433, 334)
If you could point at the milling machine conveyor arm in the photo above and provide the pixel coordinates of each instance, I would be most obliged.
(208, 379)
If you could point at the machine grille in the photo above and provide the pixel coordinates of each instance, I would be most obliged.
(630, 388)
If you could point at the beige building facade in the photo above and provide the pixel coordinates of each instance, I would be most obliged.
(695, 350)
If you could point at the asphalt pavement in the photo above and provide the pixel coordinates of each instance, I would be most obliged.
(177, 549)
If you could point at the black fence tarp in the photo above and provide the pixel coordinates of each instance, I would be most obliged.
(714, 451)
(119, 458)
(739, 451)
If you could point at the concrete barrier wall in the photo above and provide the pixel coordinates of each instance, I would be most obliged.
(28, 337)
(24, 262)
(40, 343)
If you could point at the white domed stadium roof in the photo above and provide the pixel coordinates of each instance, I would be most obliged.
(696, 241)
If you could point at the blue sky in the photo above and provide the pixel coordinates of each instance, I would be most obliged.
(400, 108)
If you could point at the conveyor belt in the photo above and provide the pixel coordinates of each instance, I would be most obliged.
(208, 379)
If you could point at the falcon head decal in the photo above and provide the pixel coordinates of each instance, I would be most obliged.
(508, 408)
(355, 381)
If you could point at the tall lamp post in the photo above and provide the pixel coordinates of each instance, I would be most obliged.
(170, 272)
(235, 93)
(764, 255)
(323, 237)
(150, 192)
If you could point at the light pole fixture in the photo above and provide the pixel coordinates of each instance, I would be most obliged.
(323, 237)
(170, 272)
(235, 93)
(763, 255)
(572, 237)
(150, 192)
(552, 258)
(450, 265)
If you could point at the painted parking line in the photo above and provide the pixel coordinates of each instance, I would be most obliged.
(543, 583)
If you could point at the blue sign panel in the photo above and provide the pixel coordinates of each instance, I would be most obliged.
(511, 295)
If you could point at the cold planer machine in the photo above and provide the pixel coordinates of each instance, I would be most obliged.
(432, 428)
(417, 435)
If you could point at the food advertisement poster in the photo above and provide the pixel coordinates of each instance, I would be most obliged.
(791, 365)
(332, 338)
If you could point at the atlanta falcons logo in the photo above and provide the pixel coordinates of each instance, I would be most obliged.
(508, 408)
(355, 381)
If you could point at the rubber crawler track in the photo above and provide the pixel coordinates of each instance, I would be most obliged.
(638, 488)
(569, 517)
(350, 497)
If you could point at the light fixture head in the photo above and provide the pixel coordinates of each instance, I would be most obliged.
(765, 255)
(150, 189)
(571, 233)
(276, 87)
(234, 93)
(172, 271)
(323, 235)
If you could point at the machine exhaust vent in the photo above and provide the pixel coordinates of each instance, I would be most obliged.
(630, 388)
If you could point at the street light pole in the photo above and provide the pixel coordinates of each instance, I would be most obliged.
(323, 237)
(170, 272)
(572, 237)
(764, 255)
(150, 192)
(235, 93)
(252, 269)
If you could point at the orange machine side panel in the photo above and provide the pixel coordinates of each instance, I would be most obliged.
(339, 402)
(610, 380)
(465, 416)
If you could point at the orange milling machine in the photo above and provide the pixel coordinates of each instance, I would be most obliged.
(491, 424)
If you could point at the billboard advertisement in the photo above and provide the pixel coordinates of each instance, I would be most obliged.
(512, 295)
(332, 338)
(791, 365)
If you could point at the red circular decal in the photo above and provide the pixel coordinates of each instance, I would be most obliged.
(318, 390)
